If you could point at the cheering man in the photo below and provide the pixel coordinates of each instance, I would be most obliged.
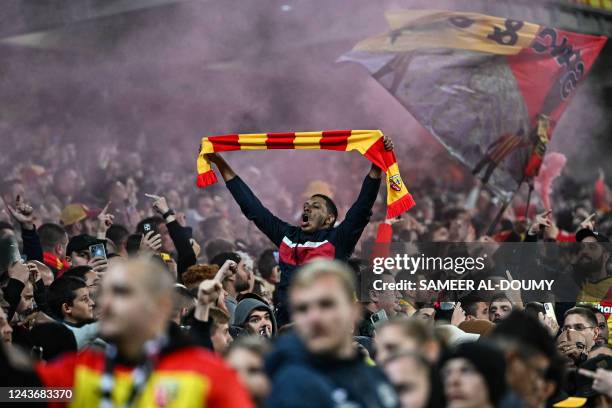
(316, 236)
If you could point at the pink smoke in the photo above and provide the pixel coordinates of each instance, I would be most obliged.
(551, 168)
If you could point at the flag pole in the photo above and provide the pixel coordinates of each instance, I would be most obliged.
(502, 210)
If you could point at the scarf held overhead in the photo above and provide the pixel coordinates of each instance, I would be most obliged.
(367, 142)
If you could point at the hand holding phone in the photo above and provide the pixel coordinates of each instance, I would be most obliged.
(379, 317)
(97, 251)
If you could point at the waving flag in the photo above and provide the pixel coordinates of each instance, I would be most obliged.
(367, 142)
(490, 89)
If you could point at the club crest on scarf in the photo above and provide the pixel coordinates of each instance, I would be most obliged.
(395, 182)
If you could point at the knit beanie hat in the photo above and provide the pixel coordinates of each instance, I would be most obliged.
(488, 360)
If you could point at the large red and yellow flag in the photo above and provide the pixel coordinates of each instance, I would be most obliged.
(367, 142)
(490, 89)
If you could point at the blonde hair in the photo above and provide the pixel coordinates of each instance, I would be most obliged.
(311, 272)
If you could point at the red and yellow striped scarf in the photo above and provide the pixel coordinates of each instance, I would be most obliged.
(367, 142)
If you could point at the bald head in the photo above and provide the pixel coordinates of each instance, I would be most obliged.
(135, 300)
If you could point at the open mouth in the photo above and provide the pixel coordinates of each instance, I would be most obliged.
(304, 220)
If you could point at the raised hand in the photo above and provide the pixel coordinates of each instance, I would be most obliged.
(159, 203)
(589, 222)
(541, 221)
(98, 264)
(22, 212)
(208, 291)
(150, 243)
(19, 271)
(388, 143)
(458, 315)
(105, 221)
(228, 269)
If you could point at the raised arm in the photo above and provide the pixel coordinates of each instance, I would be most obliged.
(273, 227)
(358, 216)
(224, 168)
(186, 257)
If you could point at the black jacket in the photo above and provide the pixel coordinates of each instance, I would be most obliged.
(296, 247)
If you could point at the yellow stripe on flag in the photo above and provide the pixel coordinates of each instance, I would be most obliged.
(307, 140)
(252, 141)
(414, 29)
(362, 140)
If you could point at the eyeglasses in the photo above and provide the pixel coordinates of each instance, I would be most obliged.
(577, 327)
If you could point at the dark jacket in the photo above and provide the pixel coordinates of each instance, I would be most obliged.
(31, 245)
(185, 255)
(300, 379)
(296, 247)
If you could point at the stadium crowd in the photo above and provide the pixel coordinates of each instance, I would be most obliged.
(135, 289)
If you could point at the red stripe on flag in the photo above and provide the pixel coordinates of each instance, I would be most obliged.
(379, 156)
(335, 139)
(280, 140)
(224, 143)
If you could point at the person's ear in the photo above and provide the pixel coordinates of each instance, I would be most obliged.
(66, 309)
(373, 296)
(596, 331)
(68, 259)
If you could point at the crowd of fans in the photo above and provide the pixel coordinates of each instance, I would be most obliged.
(133, 288)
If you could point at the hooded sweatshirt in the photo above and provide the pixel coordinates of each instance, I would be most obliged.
(301, 380)
(245, 308)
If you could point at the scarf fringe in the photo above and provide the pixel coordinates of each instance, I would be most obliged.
(400, 206)
(206, 179)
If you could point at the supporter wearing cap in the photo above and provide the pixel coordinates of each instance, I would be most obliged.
(473, 376)
(318, 365)
(255, 317)
(78, 219)
(77, 249)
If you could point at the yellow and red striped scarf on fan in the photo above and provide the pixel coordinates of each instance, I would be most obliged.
(367, 142)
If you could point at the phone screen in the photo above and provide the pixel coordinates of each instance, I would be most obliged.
(550, 311)
(379, 317)
(97, 250)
